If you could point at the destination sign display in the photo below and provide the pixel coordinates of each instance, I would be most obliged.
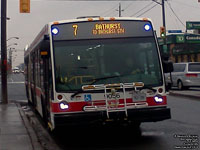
(108, 28)
(101, 29)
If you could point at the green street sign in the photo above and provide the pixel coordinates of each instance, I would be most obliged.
(180, 39)
(192, 25)
(192, 38)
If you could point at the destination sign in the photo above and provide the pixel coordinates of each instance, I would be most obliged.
(101, 29)
(108, 28)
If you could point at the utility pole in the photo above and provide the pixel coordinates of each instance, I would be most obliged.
(120, 10)
(164, 25)
(4, 91)
(163, 16)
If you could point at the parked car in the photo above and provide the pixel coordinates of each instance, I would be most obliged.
(16, 70)
(184, 76)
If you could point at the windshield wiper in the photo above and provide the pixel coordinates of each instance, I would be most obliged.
(103, 78)
(77, 92)
(96, 80)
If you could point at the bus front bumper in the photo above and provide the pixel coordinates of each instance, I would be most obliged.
(135, 115)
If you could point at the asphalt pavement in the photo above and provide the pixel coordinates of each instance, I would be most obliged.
(193, 93)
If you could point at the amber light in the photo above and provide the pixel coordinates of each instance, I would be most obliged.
(101, 18)
(112, 18)
(145, 19)
(90, 19)
(55, 22)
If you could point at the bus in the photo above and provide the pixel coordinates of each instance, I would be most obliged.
(91, 70)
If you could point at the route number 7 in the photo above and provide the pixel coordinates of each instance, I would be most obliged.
(75, 26)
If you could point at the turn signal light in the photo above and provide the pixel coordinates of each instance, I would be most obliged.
(88, 87)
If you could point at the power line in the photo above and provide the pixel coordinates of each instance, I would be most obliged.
(142, 9)
(128, 6)
(175, 14)
(147, 10)
(174, 20)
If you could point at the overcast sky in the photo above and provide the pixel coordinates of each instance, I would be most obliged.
(27, 26)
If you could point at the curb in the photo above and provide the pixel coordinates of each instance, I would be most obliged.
(43, 137)
(184, 95)
(33, 137)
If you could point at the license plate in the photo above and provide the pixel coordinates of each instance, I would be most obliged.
(138, 96)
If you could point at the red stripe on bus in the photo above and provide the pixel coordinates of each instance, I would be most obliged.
(78, 106)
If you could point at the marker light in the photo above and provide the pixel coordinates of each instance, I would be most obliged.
(158, 99)
(60, 97)
(63, 105)
(147, 27)
(55, 31)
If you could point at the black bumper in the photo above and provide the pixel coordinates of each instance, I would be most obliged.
(137, 115)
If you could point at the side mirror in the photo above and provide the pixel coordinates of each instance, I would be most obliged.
(167, 66)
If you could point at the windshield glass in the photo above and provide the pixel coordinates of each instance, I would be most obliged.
(84, 62)
(194, 67)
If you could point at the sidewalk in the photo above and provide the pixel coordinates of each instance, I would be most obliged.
(190, 93)
(16, 132)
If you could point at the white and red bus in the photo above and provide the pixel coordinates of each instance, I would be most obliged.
(96, 70)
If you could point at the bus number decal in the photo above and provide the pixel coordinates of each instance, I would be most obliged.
(111, 96)
(75, 26)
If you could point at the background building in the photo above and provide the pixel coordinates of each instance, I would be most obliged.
(182, 47)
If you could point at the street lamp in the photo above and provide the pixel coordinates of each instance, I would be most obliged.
(15, 37)
(12, 44)
(10, 57)
(7, 18)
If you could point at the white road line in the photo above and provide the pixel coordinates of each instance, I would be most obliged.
(15, 82)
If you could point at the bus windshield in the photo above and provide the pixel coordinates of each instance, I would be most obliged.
(122, 60)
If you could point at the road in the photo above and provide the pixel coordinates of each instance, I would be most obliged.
(16, 88)
(184, 127)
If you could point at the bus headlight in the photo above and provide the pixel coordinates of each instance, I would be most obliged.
(158, 99)
(63, 105)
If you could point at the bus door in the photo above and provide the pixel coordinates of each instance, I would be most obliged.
(46, 86)
(33, 81)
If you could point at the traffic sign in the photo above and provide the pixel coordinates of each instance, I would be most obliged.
(24, 6)
(174, 31)
(193, 25)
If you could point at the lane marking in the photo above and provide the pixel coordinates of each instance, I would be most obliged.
(15, 82)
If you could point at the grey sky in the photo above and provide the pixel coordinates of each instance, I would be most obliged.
(27, 26)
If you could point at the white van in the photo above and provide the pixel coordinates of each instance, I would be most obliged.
(184, 76)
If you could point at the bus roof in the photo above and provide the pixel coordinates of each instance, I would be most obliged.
(82, 19)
